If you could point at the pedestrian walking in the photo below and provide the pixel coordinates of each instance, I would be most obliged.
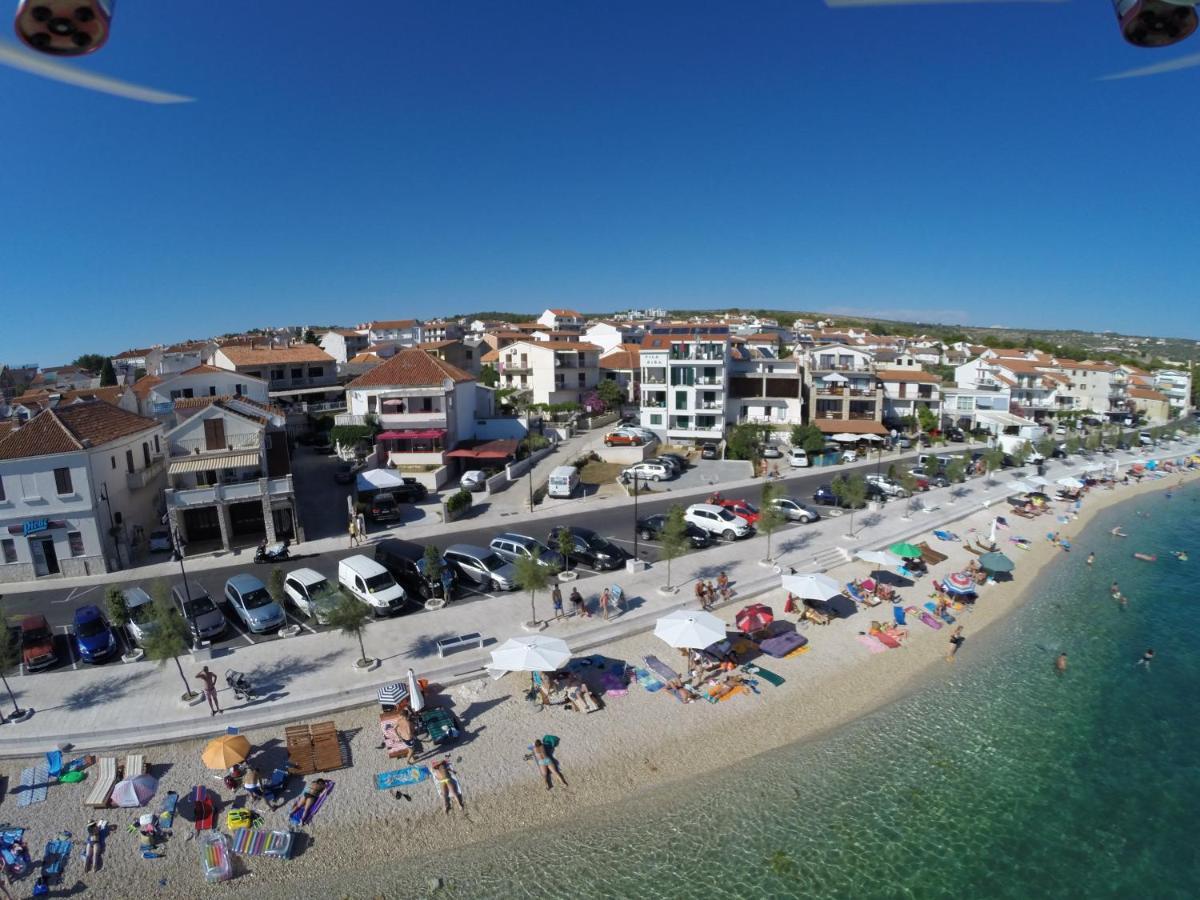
(360, 524)
(605, 597)
(353, 532)
(701, 594)
(556, 599)
(209, 680)
(956, 642)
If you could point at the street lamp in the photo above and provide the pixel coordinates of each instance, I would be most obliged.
(177, 552)
(635, 515)
(112, 525)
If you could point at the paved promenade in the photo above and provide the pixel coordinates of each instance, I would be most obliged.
(136, 704)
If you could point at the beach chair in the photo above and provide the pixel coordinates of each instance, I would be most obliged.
(859, 596)
(16, 861)
(54, 764)
(105, 781)
(203, 808)
(662, 670)
(55, 858)
(135, 764)
(931, 556)
(439, 725)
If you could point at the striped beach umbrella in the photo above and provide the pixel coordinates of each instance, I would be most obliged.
(754, 617)
(960, 583)
(392, 694)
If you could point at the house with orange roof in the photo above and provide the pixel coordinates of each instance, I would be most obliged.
(343, 343)
(156, 394)
(550, 371)
(556, 319)
(302, 376)
(843, 390)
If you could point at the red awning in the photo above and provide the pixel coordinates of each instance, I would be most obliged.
(427, 434)
(501, 449)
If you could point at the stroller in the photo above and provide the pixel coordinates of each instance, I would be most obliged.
(240, 685)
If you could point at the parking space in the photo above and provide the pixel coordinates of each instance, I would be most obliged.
(713, 473)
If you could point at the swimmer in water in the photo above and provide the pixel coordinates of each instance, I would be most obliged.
(1115, 590)
(1060, 664)
(1117, 532)
(1091, 558)
(1145, 660)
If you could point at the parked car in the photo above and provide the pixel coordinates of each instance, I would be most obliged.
(160, 541)
(924, 440)
(481, 566)
(1060, 430)
(311, 593)
(365, 579)
(384, 508)
(886, 486)
(322, 443)
(37, 643)
(798, 458)
(794, 510)
(957, 435)
(647, 471)
(650, 528)
(682, 461)
(824, 496)
(94, 638)
(671, 462)
(904, 442)
(406, 562)
(474, 480)
(205, 619)
(511, 547)
(849, 456)
(139, 609)
(921, 473)
(410, 491)
(343, 473)
(644, 433)
(772, 451)
(251, 602)
(589, 548)
(623, 439)
(746, 510)
(710, 451)
(717, 520)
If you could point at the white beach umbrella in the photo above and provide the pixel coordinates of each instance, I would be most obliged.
(811, 587)
(534, 653)
(834, 378)
(1038, 480)
(1023, 487)
(416, 700)
(846, 438)
(878, 558)
(871, 437)
(690, 628)
(1071, 484)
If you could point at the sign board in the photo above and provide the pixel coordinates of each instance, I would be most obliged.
(34, 525)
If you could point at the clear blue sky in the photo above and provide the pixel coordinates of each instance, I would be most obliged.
(958, 164)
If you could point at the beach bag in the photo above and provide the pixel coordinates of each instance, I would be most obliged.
(237, 818)
(73, 777)
(549, 741)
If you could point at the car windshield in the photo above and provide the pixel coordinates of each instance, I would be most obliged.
(749, 507)
(727, 515)
(491, 561)
(595, 542)
(141, 614)
(380, 582)
(198, 606)
(320, 590)
(256, 598)
(91, 628)
(36, 636)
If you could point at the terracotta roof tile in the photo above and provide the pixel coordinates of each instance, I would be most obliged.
(391, 324)
(66, 428)
(143, 386)
(411, 367)
(261, 356)
(1138, 393)
(622, 360)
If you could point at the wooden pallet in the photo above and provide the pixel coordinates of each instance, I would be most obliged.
(314, 748)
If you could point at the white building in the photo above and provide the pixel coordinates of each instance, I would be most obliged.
(178, 357)
(905, 391)
(343, 344)
(402, 332)
(79, 487)
(1177, 385)
(685, 382)
(299, 374)
(961, 406)
(556, 319)
(843, 390)
(764, 387)
(623, 365)
(156, 395)
(608, 336)
(550, 371)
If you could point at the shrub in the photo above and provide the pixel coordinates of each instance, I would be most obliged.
(458, 501)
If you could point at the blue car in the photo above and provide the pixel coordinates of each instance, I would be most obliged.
(94, 639)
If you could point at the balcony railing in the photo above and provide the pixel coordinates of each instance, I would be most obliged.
(861, 415)
(420, 419)
(235, 492)
(191, 446)
(142, 477)
(516, 368)
(654, 380)
(819, 366)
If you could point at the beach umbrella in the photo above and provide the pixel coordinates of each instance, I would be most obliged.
(1022, 487)
(392, 694)
(878, 559)
(959, 583)
(908, 551)
(225, 751)
(996, 562)
(755, 617)
(871, 437)
(135, 791)
(534, 653)
(846, 438)
(689, 628)
(417, 703)
(1071, 484)
(811, 587)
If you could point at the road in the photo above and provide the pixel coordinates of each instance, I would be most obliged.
(58, 605)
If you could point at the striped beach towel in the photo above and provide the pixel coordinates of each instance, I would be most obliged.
(647, 681)
(34, 784)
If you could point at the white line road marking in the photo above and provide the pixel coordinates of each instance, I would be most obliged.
(238, 628)
(66, 629)
(296, 621)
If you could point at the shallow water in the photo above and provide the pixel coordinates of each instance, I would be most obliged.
(1001, 779)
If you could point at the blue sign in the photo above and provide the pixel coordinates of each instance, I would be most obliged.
(34, 525)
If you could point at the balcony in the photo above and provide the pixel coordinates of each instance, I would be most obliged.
(233, 492)
(192, 446)
(656, 379)
(143, 477)
(826, 366)
(863, 416)
(420, 419)
(516, 368)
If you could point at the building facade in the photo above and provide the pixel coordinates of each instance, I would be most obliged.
(550, 371)
(685, 382)
(842, 386)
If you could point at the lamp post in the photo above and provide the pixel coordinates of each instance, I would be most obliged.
(177, 552)
(635, 515)
(112, 525)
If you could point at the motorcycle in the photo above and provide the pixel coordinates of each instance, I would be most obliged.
(270, 553)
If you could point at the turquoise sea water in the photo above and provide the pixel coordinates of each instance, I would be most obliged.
(1002, 779)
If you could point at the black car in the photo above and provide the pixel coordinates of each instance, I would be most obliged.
(710, 451)
(589, 548)
(679, 458)
(824, 496)
(384, 508)
(411, 491)
(650, 528)
(956, 434)
(406, 562)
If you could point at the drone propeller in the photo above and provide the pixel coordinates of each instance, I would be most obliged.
(18, 58)
(1172, 65)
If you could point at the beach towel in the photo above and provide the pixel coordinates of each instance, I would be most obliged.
(661, 669)
(385, 781)
(886, 639)
(945, 535)
(203, 808)
(256, 842)
(34, 784)
(295, 817)
(945, 617)
(765, 674)
(868, 641)
(898, 615)
(798, 651)
(166, 815)
(647, 681)
(931, 620)
(613, 685)
(907, 573)
(56, 857)
(54, 763)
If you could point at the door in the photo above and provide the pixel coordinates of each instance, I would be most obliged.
(45, 559)
(214, 434)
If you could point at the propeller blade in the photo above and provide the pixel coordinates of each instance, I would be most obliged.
(845, 4)
(35, 64)
(1171, 65)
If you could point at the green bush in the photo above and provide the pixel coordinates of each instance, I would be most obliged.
(458, 501)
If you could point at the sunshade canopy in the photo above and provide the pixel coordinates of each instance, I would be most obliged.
(689, 628)
(908, 551)
(1070, 483)
(960, 583)
(811, 587)
(534, 653)
(879, 558)
(136, 791)
(755, 617)
(996, 562)
(392, 694)
(417, 703)
(225, 751)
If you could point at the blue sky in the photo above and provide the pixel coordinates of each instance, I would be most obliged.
(956, 164)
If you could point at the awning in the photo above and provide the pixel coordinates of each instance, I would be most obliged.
(501, 449)
(207, 462)
(849, 426)
(412, 435)
(1003, 419)
(297, 392)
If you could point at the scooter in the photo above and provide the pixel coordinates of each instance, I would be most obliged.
(276, 552)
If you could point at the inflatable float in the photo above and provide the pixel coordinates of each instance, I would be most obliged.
(1146, 557)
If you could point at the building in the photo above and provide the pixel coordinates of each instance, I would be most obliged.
(623, 365)
(549, 371)
(1177, 385)
(301, 375)
(230, 475)
(31, 403)
(561, 319)
(961, 406)
(907, 390)
(843, 391)
(1154, 406)
(608, 336)
(178, 357)
(401, 332)
(80, 486)
(156, 395)
(456, 352)
(425, 407)
(1038, 390)
(441, 330)
(63, 378)
(685, 382)
(343, 344)
(765, 387)
(128, 363)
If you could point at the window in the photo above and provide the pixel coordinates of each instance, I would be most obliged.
(29, 489)
(214, 434)
(62, 481)
(656, 418)
(297, 374)
(277, 374)
(237, 389)
(146, 452)
(185, 393)
(2, 497)
(129, 461)
(681, 400)
(212, 390)
(113, 460)
(316, 371)
(75, 541)
(157, 446)
(10, 550)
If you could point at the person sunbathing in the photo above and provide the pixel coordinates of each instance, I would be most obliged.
(314, 790)
(546, 763)
(578, 693)
(447, 783)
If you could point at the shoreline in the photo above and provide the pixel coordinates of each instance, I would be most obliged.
(368, 843)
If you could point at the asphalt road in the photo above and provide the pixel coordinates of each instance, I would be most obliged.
(617, 524)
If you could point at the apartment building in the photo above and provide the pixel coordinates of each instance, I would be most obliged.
(907, 390)
(440, 330)
(843, 390)
(300, 373)
(765, 387)
(178, 357)
(685, 381)
(1037, 390)
(961, 406)
(63, 378)
(455, 352)
(80, 485)
(623, 365)
(1177, 385)
(230, 475)
(560, 319)
(401, 332)
(343, 344)
(608, 336)
(549, 371)
(156, 395)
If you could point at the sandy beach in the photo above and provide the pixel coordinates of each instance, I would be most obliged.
(637, 741)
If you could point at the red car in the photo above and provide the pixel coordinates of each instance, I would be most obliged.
(922, 484)
(622, 439)
(743, 509)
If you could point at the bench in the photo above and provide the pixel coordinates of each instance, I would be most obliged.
(461, 640)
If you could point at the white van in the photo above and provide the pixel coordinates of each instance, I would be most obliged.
(798, 458)
(563, 481)
(372, 584)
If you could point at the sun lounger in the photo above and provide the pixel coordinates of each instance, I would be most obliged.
(135, 764)
(203, 808)
(33, 785)
(397, 735)
(971, 549)
(295, 816)
(930, 556)
(54, 764)
(17, 862)
(105, 780)
(782, 644)
(256, 842)
(439, 725)
(854, 593)
(55, 858)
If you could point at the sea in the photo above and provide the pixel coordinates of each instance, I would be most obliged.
(998, 777)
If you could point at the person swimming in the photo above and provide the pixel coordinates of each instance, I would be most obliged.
(1091, 558)
(1146, 658)
(1117, 532)
(1060, 664)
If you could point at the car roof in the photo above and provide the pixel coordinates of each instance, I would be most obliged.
(306, 576)
(135, 596)
(34, 620)
(90, 611)
(515, 538)
(194, 588)
(244, 582)
(468, 550)
(707, 507)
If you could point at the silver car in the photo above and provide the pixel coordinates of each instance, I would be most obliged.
(253, 603)
(139, 609)
(512, 547)
(204, 617)
(481, 566)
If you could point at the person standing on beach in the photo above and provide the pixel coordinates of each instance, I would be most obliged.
(605, 598)
(577, 603)
(353, 531)
(1060, 664)
(956, 642)
(1146, 658)
(209, 680)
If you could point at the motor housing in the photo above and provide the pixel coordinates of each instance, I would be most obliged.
(1155, 23)
(64, 27)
